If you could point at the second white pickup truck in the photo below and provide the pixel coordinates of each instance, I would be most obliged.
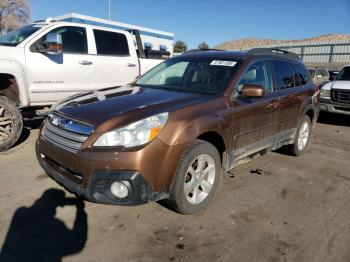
(335, 95)
(46, 61)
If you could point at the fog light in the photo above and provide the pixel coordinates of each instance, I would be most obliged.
(119, 190)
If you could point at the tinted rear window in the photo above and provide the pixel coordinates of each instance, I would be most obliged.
(110, 43)
(302, 76)
(284, 74)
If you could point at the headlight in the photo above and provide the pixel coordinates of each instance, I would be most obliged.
(325, 93)
(135, 134)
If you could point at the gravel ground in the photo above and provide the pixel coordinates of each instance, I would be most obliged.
(274, 208)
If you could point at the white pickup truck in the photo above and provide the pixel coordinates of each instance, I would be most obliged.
(335, 95)
(46, 61)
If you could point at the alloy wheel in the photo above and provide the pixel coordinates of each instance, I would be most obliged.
(199, 179)
(303, 136)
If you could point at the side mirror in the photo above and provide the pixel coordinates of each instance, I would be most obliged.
(52, 44)
(251, 90)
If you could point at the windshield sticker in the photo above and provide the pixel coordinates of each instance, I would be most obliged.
(223, 63)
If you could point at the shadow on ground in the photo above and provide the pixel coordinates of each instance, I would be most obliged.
(334, 119)
(27, 126)
(35, 234)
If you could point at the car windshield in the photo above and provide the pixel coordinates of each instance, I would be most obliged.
(16, 37)
(344, 74)
(312, 73)
(190, 74)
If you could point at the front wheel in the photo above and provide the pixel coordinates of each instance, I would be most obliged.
(11, 123)
(196, 178)
(303, 137)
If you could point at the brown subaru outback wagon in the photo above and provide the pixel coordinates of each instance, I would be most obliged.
(172, 133)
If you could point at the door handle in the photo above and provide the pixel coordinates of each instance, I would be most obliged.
(131, 65)
(85, 62)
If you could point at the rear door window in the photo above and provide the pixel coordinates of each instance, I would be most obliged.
(284, 74)
(302, 76)
(111, 43)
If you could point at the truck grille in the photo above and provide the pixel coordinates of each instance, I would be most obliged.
(341, 95)
(66, 133)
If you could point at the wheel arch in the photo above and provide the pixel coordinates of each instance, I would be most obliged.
(206, 129)
(216, 140)
(15, 70)
(311, 112)
(9, 87)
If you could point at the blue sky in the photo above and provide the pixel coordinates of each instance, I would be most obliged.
(215, 21)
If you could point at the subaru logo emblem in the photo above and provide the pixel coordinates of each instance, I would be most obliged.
(59, 121)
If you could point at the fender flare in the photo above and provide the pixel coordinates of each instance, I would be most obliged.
(16, 70)
(198, 127)
(310, 107)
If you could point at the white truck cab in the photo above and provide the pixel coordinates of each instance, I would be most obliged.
(335, 95)
(46, 61)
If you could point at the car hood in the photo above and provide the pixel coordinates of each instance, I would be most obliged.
(337, 85)
(128, 102)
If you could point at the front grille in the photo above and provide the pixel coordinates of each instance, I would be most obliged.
(339, 95)
(66, 133)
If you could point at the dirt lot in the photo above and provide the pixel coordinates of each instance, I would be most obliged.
(275, 208)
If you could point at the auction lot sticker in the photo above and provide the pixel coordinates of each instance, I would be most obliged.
(223, 63)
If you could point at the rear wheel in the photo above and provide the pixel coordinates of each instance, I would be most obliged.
(11, 123)
(196, 178)
(302, 138)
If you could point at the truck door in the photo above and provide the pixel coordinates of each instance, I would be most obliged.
(116, 62)
(54, 76)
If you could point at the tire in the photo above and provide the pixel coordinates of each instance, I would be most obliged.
(11, 123)
(204, 178)
(302, 138)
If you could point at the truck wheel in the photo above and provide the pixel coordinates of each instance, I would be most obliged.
(11, 123)
(302, 137)
(196, 178)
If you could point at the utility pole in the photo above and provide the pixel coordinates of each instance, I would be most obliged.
(109, 9)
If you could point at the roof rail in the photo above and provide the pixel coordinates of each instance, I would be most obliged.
(200, 50)
(269, 51)
(48, 20)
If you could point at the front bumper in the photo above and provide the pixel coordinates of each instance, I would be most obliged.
(97, 189)
(327, 105)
